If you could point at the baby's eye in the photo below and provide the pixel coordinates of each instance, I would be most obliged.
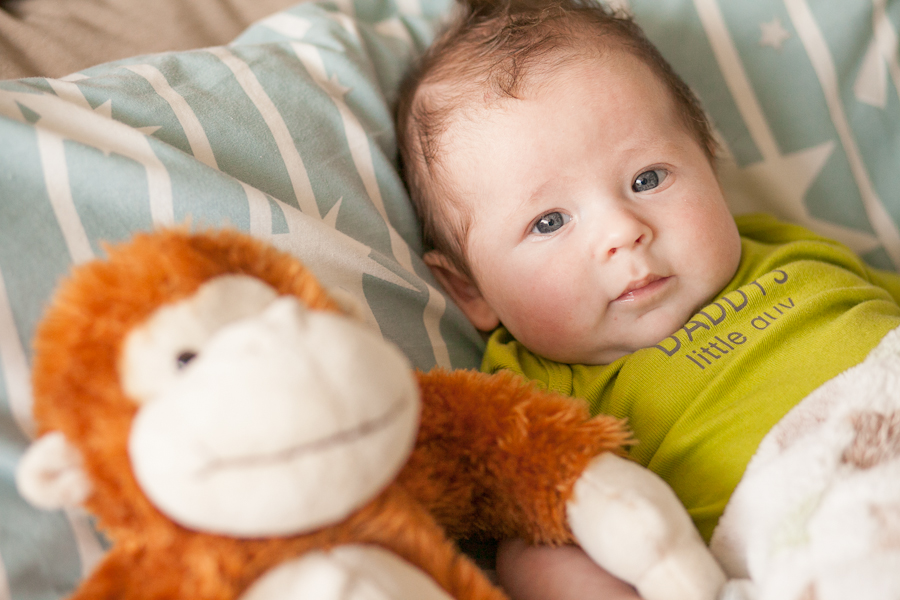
(649, 180)
(550, 222)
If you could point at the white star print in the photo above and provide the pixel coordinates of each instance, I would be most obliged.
(773, 34)
(871, 83)
(288, 25)
(338, 260)
(75, 120)
(778, 185)
(395, 28)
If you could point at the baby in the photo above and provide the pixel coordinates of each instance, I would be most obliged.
(566, 181)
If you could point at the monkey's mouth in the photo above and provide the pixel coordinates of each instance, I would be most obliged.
(324, 443)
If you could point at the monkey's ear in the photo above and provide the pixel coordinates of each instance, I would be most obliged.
(50, 474)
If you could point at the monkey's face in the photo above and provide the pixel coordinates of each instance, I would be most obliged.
(258, 416)
(209, 377)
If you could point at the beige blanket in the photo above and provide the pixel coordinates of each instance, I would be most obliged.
(52, 38)
(817, 514)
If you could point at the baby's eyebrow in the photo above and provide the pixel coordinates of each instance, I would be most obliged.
(541, 194)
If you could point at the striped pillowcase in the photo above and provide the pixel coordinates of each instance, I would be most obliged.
(287, 133)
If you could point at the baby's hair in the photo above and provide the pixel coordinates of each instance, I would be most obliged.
(491, 51)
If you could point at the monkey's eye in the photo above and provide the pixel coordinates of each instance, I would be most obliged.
(184, 358)
(158, 352)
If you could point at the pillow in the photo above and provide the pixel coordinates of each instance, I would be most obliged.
(806, 98)
(286, 133)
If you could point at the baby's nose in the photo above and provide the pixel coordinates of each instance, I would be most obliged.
(623, 231)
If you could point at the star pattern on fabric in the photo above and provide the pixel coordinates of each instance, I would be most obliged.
(334, 88)
(871, 85)
(340, 261)
(344, 18)
(149, 130)
(782, 181)
(28, 115)
(394, 28)
(105, 110)
(774, 35)
(63, 119)
(288, 25)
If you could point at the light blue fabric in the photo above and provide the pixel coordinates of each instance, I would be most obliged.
(287, 134)
(806, 97)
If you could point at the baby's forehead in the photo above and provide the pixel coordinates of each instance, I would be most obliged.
(574, 104)
(457, 104)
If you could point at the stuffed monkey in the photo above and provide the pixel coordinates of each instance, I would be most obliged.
(238, 436)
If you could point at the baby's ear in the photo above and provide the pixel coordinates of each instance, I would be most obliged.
(463, 290)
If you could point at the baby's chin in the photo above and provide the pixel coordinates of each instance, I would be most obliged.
(644, 334)
(601, 356)
(646, 338)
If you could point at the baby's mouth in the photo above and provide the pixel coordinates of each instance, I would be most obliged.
(641, 287)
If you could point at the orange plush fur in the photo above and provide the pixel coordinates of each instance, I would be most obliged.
(494, 455)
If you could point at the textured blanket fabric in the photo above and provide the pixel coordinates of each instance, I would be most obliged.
(49, 38)
(817, 514)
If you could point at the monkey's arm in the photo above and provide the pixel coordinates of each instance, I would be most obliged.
(498, 455)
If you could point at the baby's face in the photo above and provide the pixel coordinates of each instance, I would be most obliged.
(599, 226)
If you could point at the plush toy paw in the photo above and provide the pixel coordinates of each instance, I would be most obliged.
(630, 522)
(354, 572)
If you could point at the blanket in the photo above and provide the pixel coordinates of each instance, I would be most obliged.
(817, 513)
(49, 38)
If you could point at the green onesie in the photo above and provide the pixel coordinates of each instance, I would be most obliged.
(800, 310)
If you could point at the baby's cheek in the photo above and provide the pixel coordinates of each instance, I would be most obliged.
(546, 316)
(544, 296)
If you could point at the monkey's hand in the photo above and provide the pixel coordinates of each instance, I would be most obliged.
(629, 521)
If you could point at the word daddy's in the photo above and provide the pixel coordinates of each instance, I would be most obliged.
(715, 314)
